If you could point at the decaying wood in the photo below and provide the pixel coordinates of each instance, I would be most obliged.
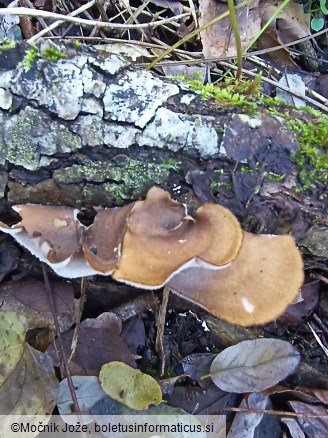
(90, 130)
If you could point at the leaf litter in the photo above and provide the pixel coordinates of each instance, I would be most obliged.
(98, 342)
(243, 197)
(19, 362)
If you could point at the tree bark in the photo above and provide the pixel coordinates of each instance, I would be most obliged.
(83, 128)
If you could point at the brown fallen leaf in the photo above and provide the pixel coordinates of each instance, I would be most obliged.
(310, 298)
(196, 400)
(291, 24)
(29, 297)
(218, 40)
(98, 342)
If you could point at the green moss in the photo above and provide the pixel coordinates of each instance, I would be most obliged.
(229, 92)
(221, 180)
(51, 54)
(244, 168)
(171, 164)
(29, 58)
(214, 185)
(273, 177)
(77, 44)
(119, 182)
(6, 44)
(312, 157)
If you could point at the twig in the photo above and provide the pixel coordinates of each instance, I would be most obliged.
(58, 23)
(78, 318)
(195, 33)
(76, 406)
(325, 349)
(53, 16)
(245, 55)
(272, 412)
(320, 277)
(269, 81)
(160, 323)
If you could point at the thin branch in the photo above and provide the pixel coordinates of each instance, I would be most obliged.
(78, 318)
(228, 57)
(58, 23)
(53, 16)
(272, 412)
(160, 323)
(269, 81)
(76, 407)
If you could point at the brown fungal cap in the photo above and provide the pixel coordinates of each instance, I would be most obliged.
(255, 288)
(55, 229)
(102, 241)
(161, 237)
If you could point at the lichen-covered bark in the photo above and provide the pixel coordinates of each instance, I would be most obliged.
(91, 130)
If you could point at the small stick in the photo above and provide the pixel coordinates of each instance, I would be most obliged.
(78, 318)
(53, 16)
(76, 406)
(272, 412)
(58, 23)
(160, 323)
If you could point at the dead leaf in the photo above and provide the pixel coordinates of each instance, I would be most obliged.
(9, 255)
(196, 400)
(316, 427)
(197, 365)
(88, 392)
(293, 83)
(28, 384)
(322, 395)
(310, 298)
(254, 365)
(29, 297)
(291, 24)
(175, 6)
(244, 423)
(130, 386)
(294, 428)
(218, 40)
(98, 342)
(134, 334)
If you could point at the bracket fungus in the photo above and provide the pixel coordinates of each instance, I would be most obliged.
(243, 278)
(255, 288)
(161, 238)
